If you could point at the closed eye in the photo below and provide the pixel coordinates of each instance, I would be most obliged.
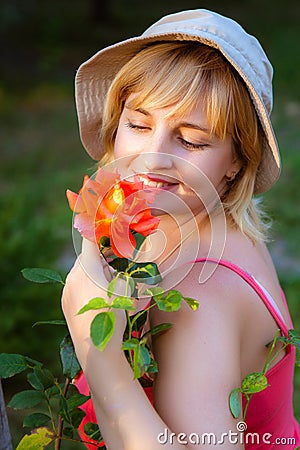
(134, 126)
(191, 145)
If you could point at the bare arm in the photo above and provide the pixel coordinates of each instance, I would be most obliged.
(124, 413)
(190, 395)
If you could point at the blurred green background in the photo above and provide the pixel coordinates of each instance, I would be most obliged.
(42, 44)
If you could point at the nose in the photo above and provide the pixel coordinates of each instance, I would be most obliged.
(158, 153)
(157, 160)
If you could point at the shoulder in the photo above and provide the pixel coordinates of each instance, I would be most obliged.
(199, 357)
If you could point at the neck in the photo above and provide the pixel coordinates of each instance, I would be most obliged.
(175, 241)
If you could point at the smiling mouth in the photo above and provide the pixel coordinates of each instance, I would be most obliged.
(156, 182)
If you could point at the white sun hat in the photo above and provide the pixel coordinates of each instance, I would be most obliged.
(242, 50)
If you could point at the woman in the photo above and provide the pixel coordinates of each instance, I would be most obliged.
(185, 107)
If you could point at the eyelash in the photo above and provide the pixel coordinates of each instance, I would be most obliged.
(192, 146)
(187, 144)
(135, 127)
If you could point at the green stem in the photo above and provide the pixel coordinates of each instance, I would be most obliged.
(248, 398)
(267, 363)
(141, 313)
(50, 413)
(61, 420)
(266, 368)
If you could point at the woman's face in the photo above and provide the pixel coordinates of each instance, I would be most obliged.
(176, 154)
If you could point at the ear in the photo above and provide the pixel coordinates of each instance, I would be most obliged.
(233, 169)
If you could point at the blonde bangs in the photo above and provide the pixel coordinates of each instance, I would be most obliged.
(182, 74)
(181, 78)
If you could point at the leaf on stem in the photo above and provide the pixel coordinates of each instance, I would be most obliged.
(123, 302)
(50, 322)
(146, 272)
(111, 287)
(91, 429)
(38, 275)
(38, 440)
(170, 302)
(235, 403)
(40, 378)
(294, 338)
(193, 304)
(141, 356)
(11, 364)
(77, 400)
(76, 416)
(254, 382)
(70, 364)
(102, 328)
(36, 420)
(93, 304)
(26, 399)
(158, 329)
(156, 292)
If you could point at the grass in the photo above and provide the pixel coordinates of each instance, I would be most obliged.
(41, 157)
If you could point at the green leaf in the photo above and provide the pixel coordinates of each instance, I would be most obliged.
(130, 344)
(158, 329)
(26, 399)
(140, 321)
(92, 431)
(254, 382)
(50, 322)
(294, 338)
(139, 239)
(54, 391)
(146, 272)
(102, 329)
(120, 264)
(141, 360)
(156, 292)
(63, 409)
(11, 364)
(38, 440)
(45, 377)
(152, 368)
(68, 431)
(111, 287)
(70, 364)
(169, 302)
(40, 378)
(76, 416)
(194, 304)
(123, 302)
(93, 304)
(38, 275)
(235, 403)
(33, 362)
(77, 400)
(36, 420)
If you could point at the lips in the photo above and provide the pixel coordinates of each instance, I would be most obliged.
(157, 182)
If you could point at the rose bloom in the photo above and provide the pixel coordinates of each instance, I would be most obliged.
(115, 208)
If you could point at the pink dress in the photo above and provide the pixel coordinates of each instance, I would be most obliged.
(270, 418)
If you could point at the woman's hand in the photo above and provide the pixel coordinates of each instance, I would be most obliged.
(85, 281)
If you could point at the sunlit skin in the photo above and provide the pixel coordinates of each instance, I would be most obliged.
(180, 156)
(194, 369)
(152, 140)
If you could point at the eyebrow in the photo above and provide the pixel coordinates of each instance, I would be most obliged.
(183, 124)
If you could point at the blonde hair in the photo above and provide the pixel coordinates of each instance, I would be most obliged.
(178, 73)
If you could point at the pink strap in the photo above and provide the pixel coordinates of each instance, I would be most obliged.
(250, 280)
